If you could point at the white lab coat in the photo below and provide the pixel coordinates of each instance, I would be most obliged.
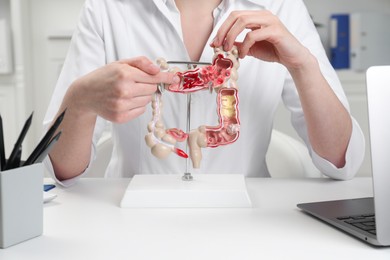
(111, 30)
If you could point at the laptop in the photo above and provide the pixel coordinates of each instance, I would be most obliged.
(367, 218)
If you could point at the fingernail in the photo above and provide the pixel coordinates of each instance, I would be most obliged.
(154, 66)
(176, 79)
(226, 47)
(215, 40)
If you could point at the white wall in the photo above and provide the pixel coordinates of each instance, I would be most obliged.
(4, 9)
(29, 87)
(10, 106)
(51, 25)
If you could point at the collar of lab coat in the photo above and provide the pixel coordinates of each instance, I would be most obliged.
(169, 10)
(263, 3)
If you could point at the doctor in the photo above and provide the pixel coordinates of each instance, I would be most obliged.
(109, 77)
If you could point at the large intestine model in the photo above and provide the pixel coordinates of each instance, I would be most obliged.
(220, 76)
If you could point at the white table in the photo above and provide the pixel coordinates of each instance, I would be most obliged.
(85, 222)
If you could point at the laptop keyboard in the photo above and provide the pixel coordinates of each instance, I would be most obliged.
(364, 222)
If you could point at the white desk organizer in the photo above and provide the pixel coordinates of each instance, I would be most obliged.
(170, 191)
(21, 204)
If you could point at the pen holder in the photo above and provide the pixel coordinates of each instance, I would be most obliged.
(21, 204)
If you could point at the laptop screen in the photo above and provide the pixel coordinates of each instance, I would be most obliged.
(378, 100)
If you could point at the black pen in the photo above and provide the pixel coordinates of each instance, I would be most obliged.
(46, 151)
(45, 140)
(2, 149)
(13, 161)
(18, 156)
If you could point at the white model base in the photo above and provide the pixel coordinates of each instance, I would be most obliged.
(204, 191)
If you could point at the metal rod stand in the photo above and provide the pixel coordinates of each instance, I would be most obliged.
(187, 175)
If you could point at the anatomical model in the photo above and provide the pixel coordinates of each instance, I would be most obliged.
(220, 76)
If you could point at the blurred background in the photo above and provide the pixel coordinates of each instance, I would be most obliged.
(35, 35)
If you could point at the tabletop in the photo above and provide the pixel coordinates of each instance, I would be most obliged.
(86, 222)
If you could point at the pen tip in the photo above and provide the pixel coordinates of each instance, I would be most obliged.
(63, 112)
(58, 135)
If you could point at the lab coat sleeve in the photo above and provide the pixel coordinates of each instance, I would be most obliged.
(300, 24)
(85, 54)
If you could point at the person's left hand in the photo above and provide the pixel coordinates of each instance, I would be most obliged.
(268, 40)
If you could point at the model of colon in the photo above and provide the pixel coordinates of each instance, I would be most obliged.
(220, 76)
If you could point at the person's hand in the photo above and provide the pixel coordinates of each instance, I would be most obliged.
(120, 90)
(268, 39)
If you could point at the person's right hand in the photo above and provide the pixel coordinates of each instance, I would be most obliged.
(120, 90)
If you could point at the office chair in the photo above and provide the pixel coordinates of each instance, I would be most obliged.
(103, 155)
(289, 158)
